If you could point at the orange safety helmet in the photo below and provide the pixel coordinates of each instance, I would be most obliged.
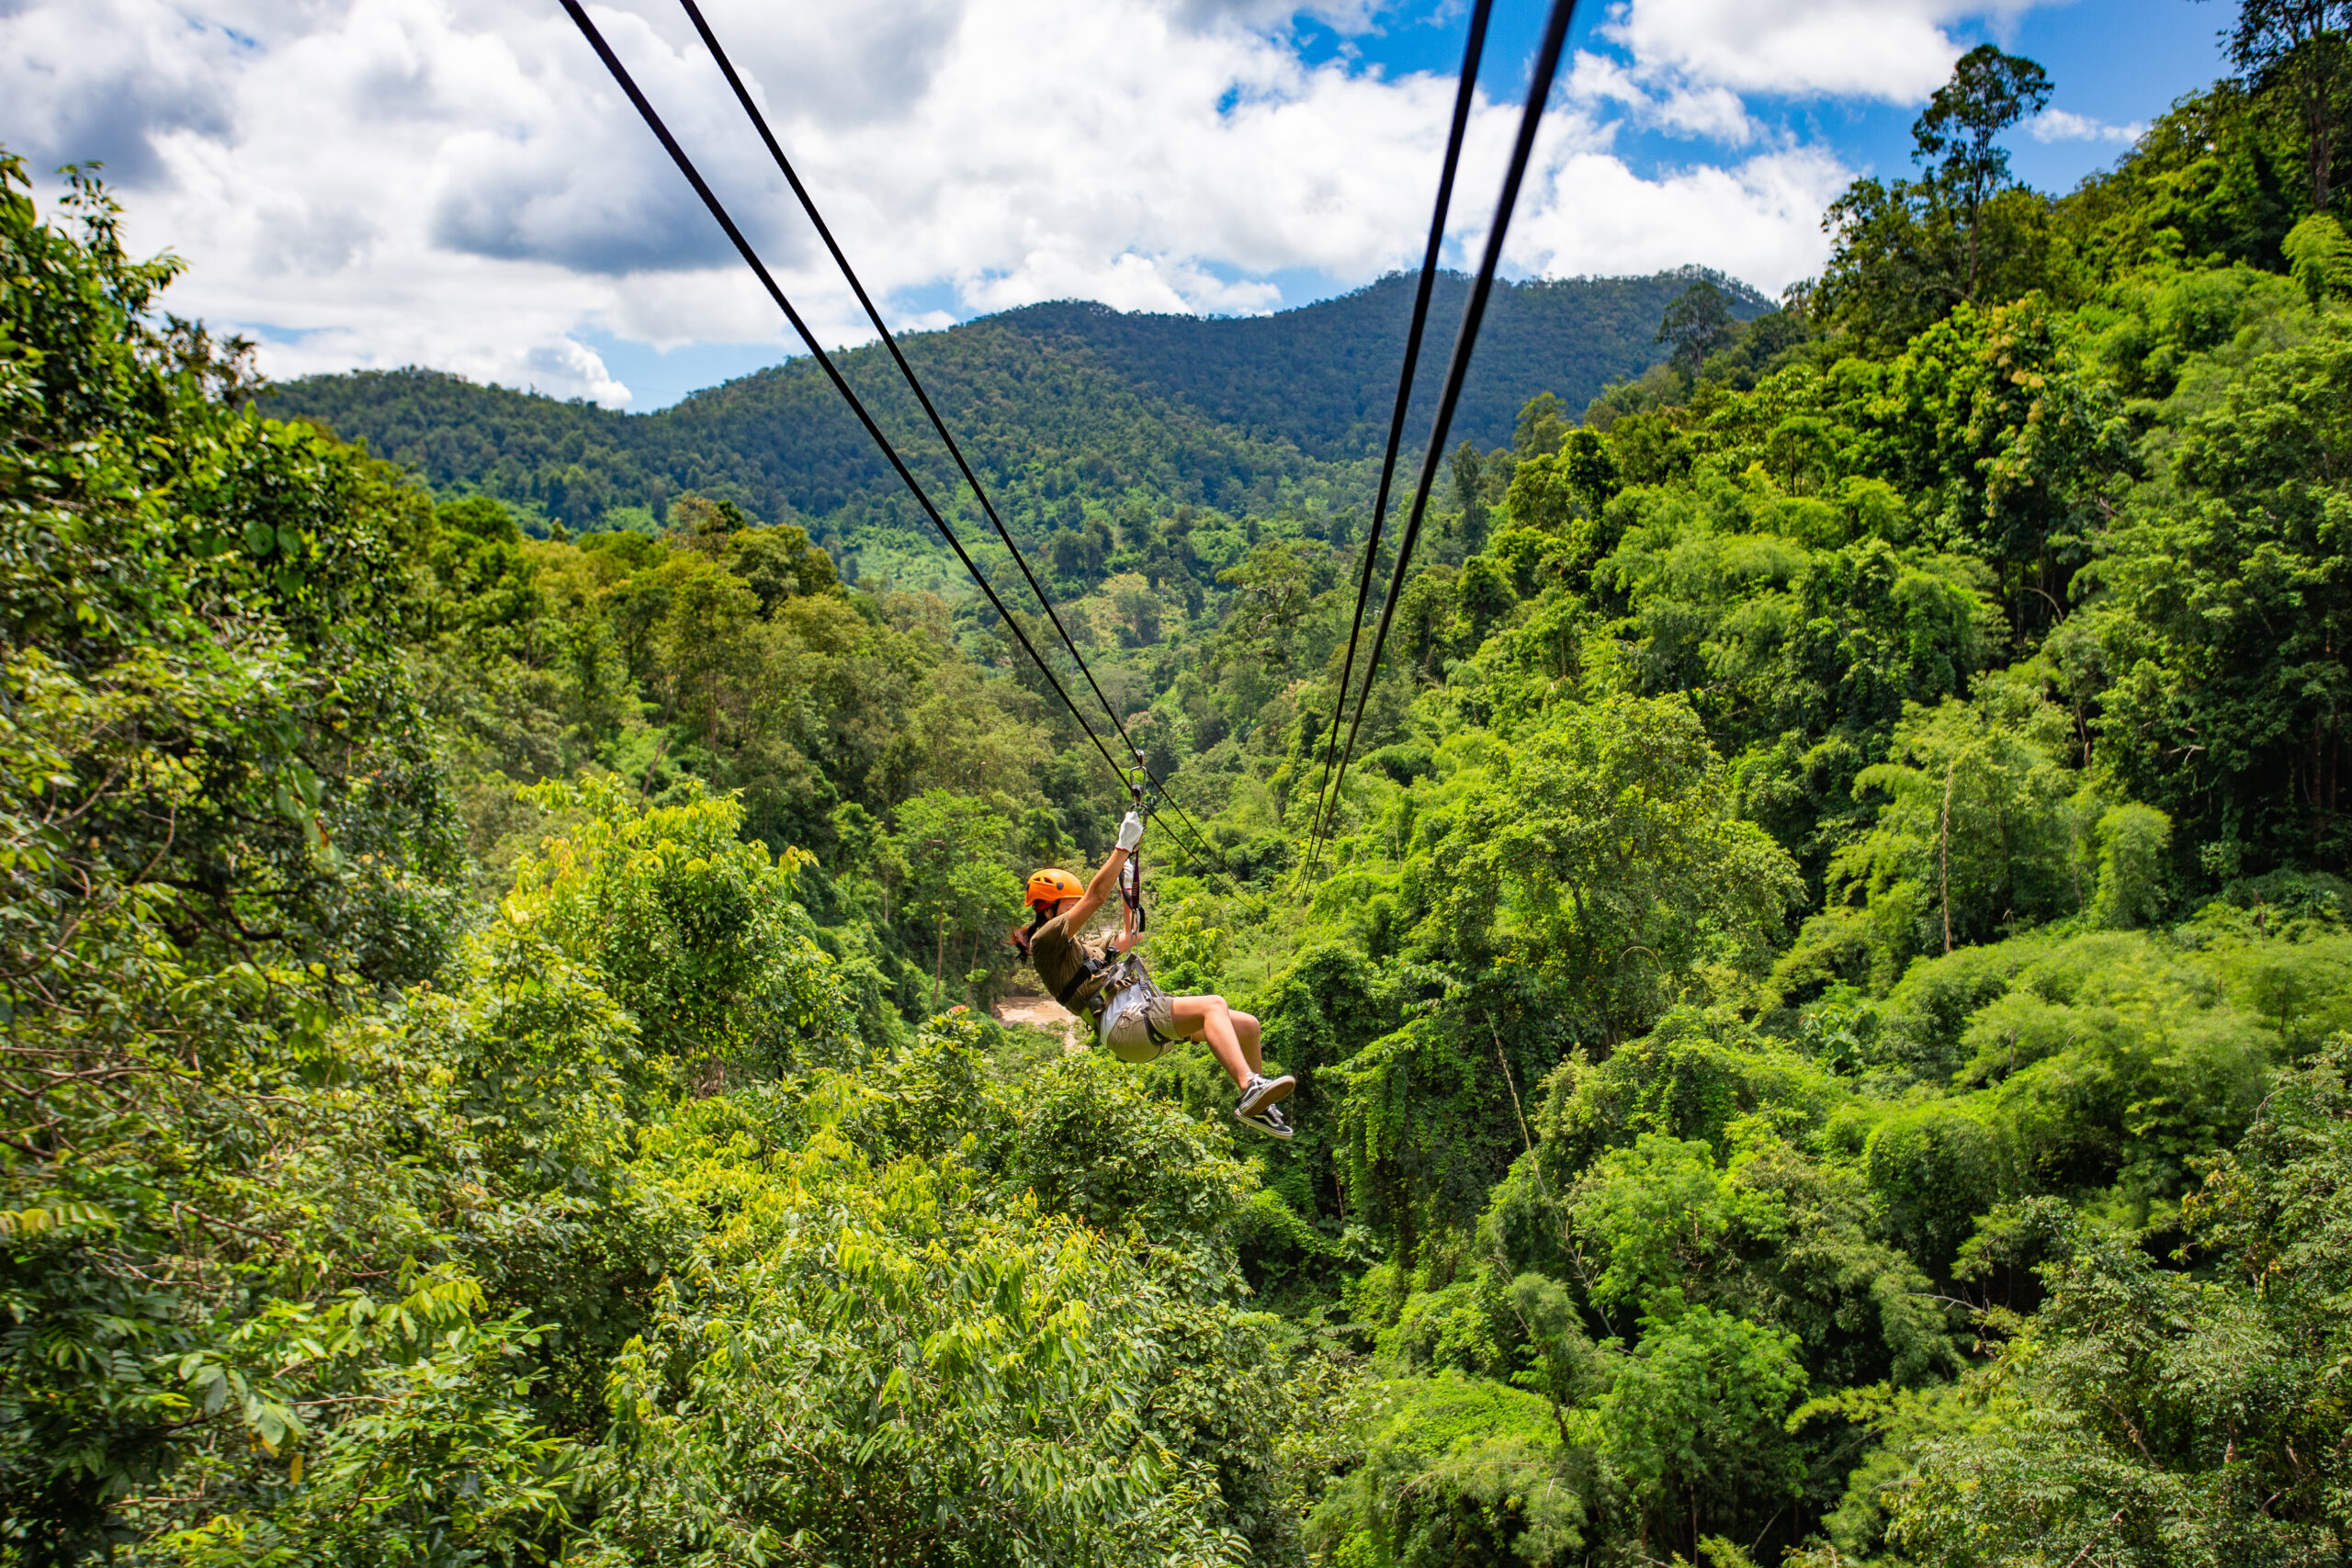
(1052, 886)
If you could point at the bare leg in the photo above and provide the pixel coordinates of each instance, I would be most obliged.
(1232, 1036)
(1245, 1029)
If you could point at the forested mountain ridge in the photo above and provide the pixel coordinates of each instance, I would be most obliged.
(1057, 404)
(1323, 376)
(1823, 1016)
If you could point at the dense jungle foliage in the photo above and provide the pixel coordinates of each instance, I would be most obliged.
(1823, 1024)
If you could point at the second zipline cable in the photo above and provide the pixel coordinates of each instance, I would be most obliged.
(914, 384)
(1457, 369)
(1473, 47)
(717, 210)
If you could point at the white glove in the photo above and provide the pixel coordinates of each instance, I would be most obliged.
(1130, 832)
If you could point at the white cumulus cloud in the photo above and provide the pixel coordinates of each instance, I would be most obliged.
(1596, 216)
(1891, 51)
(457, 183)
(2058, 125)
(1662, 98)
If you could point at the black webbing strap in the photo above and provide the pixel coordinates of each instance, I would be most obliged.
(1131, 873)
(1087, 970)
(1131, 887)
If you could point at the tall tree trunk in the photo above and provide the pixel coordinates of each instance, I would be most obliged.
(1943, 853)
(2319, 75)
(1976, 212)
(2318, 160)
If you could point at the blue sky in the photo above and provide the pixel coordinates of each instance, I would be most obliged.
(2116, 62)
(454, 182)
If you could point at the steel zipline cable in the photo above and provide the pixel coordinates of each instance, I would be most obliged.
(1457, 370)
(718, 209)
(1473, 47)
(914, 384)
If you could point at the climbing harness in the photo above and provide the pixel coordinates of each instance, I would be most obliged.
(1101, 985)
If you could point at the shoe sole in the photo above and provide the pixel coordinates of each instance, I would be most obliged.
(1283, 1133)
(1275, 1093)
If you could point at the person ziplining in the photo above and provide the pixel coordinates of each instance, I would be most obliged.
(1132, 1016)
(1106, 982)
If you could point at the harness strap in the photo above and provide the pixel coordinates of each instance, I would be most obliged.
(1091, 968)
(1131, 874)
(1131, 888)
(1088, 969)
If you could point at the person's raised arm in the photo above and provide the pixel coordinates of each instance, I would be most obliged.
(1128, 936)
(1130, 835)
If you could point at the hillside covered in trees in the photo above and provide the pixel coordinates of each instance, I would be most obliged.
(1824, 1021)
(1076, 413)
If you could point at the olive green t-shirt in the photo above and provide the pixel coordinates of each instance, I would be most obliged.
(1060, 957)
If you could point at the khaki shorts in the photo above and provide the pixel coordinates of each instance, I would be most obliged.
(1130, 1020)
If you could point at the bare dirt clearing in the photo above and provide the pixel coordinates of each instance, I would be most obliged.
(1043, 1012)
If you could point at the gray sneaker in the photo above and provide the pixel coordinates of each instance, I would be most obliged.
(1267, 1119)
(1263, 1091)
